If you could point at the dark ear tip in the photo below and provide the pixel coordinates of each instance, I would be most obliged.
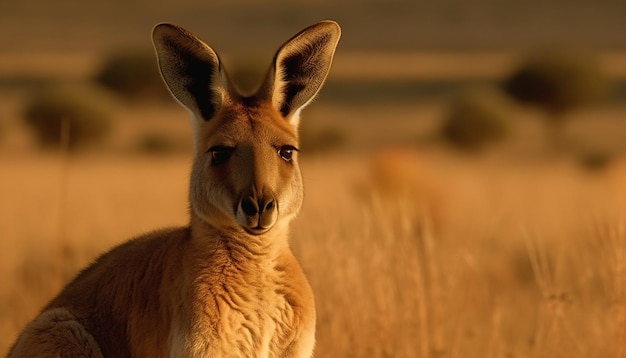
(163, 29)
(160, 28)
(331, 26)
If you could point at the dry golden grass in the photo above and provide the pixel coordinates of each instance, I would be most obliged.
(522, 262)
(409, 254)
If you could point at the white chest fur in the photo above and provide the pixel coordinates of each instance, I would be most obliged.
(238, 315)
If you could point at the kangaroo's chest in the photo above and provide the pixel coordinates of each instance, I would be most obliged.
(241, 314)
(253, 324)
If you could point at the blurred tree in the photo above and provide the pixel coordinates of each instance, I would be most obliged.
(323, 140)
(86, 108)
(248, 72)
(476, 119)
(132, 74)
(557, 80)
(161, 142)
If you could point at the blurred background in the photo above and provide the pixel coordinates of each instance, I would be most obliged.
(465, 163)
(427, 61)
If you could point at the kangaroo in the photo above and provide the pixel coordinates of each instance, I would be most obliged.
(226, 285)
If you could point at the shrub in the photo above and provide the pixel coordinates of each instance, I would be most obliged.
(86, 108)
(476, 119)
(248, 74)
(557, 80)
(595, 160)
(323, 140)
(132, 75)
(161, 142)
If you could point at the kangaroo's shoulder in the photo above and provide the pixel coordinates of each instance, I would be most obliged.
(144, 248)
(137, 261)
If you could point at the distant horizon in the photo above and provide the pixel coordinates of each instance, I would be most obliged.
(485, 25)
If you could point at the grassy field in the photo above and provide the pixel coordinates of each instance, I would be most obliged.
(410, 255)
(413, 249)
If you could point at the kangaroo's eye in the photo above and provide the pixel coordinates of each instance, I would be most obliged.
(220, 154)
(286, 152)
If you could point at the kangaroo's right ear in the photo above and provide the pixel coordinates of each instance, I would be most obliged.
(190, 69)
(300, 68)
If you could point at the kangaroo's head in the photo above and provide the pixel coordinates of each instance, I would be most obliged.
(245, 175)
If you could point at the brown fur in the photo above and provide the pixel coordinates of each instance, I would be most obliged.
(227, 285)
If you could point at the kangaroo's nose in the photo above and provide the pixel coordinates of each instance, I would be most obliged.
(252, 206)
(257, 212)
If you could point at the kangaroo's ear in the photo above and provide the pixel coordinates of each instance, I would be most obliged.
(190, 69)
(300, 68)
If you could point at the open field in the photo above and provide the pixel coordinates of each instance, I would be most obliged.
(410, 254)
(413, 250)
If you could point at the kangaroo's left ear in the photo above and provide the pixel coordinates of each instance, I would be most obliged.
(300, 68)
(191, 70)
